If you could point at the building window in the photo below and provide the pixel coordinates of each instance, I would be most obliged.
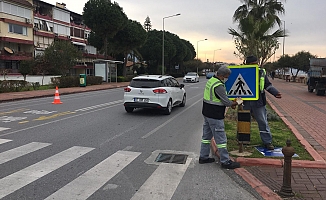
(14, 28)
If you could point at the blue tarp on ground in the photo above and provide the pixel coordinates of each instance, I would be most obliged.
(277, 152)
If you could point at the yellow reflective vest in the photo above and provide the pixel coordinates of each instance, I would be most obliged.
(209, 94)
(262, 74)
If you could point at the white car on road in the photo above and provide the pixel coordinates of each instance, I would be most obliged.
(154, 91)
(191, 77)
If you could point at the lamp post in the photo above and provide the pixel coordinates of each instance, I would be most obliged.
(214, 54)
(197, 46)
(283, 35)
(283, 41)
(163, 41)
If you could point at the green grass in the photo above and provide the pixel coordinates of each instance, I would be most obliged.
(280, 132)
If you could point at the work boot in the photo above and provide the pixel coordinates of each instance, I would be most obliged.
(206, 160)
(230, 165)
(269, 146)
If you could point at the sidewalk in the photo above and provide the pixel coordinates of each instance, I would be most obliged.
(303, 112)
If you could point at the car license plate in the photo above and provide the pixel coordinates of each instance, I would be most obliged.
(145, 100)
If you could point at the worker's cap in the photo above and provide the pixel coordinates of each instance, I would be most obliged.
(251, 60)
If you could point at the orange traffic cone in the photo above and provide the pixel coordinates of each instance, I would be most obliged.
(56, 96)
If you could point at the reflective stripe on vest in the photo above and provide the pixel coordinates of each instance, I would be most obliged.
(209, 96)
(262, 74)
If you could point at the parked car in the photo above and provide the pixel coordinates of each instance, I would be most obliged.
(209, 75)
(191, 77)
(154, 91)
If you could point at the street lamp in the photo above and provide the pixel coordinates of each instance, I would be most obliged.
(283, 36)
(163, 41)
(197, 46)
(214, 54)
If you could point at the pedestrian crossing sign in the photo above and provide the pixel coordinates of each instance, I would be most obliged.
(243, 82)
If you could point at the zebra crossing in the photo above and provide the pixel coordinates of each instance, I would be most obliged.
(161, 184)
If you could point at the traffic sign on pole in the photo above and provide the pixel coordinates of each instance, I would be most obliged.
(243, 82)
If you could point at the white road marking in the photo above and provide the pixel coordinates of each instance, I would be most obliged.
(7, 119)
(26, 176)
(99, 106)
(3, 128)
(20, 151)
(168, 121)
(2, 141)
(163, 182)
(89, 182)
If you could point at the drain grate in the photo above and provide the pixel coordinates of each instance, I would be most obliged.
(171, 158)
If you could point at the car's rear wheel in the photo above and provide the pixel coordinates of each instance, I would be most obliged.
(183, 103)
(129, 109)
(168, 108)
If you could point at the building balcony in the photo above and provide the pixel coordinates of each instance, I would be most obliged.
(20, 55)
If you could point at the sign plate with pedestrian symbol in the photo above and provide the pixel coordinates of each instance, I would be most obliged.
(243, 82)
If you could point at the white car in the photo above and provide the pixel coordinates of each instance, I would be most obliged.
(191, 77)
(154, 91)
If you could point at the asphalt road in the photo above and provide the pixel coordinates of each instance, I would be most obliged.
(88, 147)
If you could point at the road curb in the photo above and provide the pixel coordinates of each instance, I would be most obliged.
(256, 184)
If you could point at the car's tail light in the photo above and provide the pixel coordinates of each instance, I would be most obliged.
(160, 91)
(127, 89)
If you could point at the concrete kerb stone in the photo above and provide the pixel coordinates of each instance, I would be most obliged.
(260, 187)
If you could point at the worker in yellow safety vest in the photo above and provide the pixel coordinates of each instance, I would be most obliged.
(214, 104)
(258, 107)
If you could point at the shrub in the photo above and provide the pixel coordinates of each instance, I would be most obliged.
(74, 81)
(94, 80)
(12, 85)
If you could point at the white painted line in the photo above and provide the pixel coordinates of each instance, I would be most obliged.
(3, 128)
(26, 176)
(99, 106)
(89, 182)
(168, 121)
(20, 151)
(163, 182)
(2, 141)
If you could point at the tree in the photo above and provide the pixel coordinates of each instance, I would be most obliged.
(129, 39)
(148, 24)
(260, 10)
(42, 66)
(26, 67)
(256, 19)
(152, 51)
(176, 50)
(302, 61)
(62, 56)
(105, 19)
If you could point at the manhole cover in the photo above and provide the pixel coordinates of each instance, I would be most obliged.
(171, 158)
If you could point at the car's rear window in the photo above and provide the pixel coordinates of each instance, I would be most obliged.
(191, 74)
(145, 83)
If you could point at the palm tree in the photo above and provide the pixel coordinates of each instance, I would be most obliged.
(260, 10)
(256, 19)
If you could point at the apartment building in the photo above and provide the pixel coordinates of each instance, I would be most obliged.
(28, 27)
(16, 33)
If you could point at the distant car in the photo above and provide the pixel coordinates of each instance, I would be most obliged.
(154, 91)
(191, 77)
(209, 75)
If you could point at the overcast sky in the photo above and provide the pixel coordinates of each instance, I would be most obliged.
(305, 23)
